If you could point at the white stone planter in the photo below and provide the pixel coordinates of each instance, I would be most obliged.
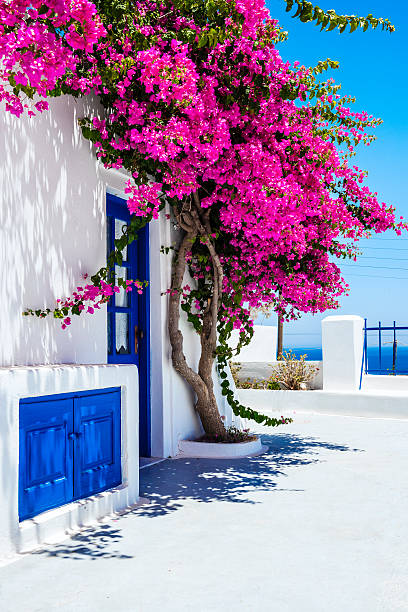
(220, 450)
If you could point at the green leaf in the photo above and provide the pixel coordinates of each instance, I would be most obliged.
(202, 40)
(289, 5)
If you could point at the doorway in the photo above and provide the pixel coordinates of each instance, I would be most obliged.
(128, 324)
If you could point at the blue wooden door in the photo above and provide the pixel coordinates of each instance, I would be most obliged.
(97, 444)
(46, 455)
(70, 447)
(129, 313)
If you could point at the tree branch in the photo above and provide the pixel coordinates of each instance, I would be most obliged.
(176, 337)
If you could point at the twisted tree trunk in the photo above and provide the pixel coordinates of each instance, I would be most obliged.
(194, 222)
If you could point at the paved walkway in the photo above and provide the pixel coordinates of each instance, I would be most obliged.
(319, 524)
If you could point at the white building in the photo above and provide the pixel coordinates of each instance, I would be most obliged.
(70, 405)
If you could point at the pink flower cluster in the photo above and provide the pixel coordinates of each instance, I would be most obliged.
(90, 297)
(272, 174)
(220, 119)
(38, 44)
(168, 75)
(144, 200)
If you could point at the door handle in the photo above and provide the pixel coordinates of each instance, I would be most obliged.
(74, 435)
(139, 335)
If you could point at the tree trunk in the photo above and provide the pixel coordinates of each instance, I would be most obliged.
(280, 337)
(201, 381)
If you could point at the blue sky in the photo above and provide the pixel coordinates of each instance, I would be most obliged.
(373, 69)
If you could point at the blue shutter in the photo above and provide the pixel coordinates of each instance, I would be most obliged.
(46, 455)
(97, 454)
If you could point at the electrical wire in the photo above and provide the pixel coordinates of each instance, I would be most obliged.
(382, 258)
(375, 267)
(388, 239)
(383, 249)
(377, 276)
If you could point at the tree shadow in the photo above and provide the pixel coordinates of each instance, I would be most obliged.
(167, 485)
(92, 543)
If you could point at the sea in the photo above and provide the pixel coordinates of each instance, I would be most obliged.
(373, 358)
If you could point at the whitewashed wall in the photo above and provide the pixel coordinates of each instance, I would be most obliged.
(52, 229)
(262, 346)
(342, 347)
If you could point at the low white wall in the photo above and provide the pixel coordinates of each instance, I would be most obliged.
(262, 371)
(371, 382)
(21, 382)
(359, 403)
(262, 346)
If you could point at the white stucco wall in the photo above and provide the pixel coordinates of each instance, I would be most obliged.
(342, 347)
(52, 230)
(262, 346)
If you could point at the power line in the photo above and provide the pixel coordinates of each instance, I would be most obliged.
(383, 249)
(377, 276)
(382, 258)
(387, 239)
(375, 267)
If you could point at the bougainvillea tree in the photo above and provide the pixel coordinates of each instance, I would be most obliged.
(250, 154)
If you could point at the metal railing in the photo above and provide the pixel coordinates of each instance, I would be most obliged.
(381, 330)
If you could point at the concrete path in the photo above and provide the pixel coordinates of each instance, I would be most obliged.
(319, 524)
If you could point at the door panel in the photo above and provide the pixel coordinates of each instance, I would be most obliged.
(123, 307)
(98, 443)
(129, 313)
(46, 452)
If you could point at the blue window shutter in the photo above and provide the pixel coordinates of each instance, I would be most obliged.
(98, 443)
(46, 456)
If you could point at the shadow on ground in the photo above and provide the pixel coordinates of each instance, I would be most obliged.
(168, 484)
(92, 543)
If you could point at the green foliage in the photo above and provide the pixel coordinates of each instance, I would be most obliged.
(224, 355)
(324, 65)
(330, 20)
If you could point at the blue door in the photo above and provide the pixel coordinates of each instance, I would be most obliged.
(98, 458)
(46, 455)
(70, 447)
(129, 313)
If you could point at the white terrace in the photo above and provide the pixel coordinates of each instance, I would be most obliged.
(316, 525)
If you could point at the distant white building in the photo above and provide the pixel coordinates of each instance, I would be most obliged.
(76, 405)
(262, 347)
